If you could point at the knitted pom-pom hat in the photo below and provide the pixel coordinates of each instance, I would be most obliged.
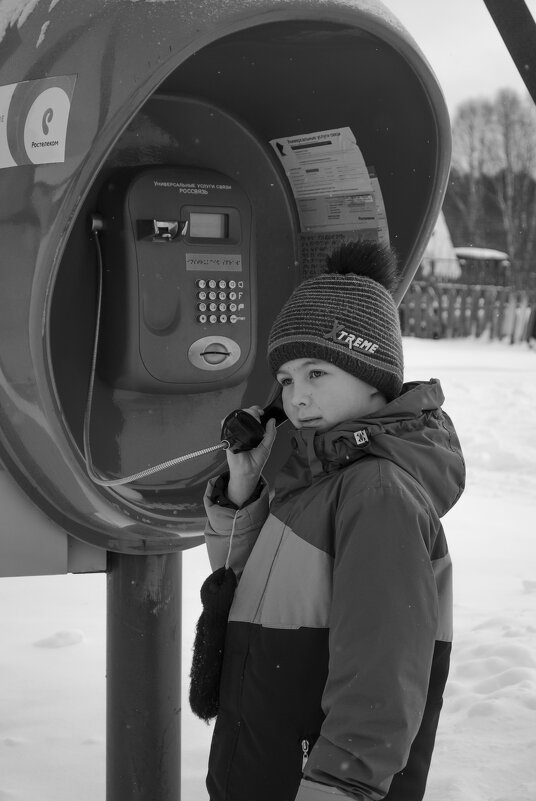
(346, 316)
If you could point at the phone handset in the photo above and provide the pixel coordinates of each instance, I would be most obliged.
(243, 432)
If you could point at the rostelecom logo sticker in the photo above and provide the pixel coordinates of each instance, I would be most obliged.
(34, 117)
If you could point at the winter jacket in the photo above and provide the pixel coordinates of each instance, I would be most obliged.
(338, 641)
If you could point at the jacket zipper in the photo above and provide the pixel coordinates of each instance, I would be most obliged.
(305, 753)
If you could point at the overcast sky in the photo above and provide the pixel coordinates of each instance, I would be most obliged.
(462, 44)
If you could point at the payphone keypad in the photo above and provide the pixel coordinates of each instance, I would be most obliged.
(220, 301)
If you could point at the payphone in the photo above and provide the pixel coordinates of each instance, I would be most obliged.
(179, 291)
(165, 328)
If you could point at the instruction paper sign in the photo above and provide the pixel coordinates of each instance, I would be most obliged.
(338, 197)
(33, 120)
(323, 163)
(330, 181)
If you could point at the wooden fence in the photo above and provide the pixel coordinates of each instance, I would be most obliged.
(443, 310)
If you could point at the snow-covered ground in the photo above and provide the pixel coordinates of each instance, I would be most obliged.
(52, 629)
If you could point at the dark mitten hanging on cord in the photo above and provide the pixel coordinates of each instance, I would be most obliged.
(217, 595)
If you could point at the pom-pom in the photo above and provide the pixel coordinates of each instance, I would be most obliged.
(368, 259)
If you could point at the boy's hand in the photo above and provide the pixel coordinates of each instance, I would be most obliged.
(245, 468)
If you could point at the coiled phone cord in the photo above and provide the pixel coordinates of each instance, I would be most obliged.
(96, 477)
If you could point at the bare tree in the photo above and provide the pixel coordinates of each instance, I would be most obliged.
(494, 167)
(471, 145)
(513, 171)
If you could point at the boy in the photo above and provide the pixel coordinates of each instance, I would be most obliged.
(338, 641)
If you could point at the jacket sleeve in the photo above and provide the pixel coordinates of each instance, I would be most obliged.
(383, 625)
(243, 525)
(312, 791)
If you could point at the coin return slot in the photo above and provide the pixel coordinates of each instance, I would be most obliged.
(214, 353)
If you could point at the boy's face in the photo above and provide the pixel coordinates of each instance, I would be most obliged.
(319, 395)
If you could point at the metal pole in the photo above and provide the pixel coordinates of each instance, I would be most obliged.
(517, 28)
(143, 677)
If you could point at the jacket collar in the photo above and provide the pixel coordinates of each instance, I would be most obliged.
(412, 431)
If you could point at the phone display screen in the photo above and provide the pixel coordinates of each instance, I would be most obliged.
(208, 226)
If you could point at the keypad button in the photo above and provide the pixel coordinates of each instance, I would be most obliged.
(202, 318)
(222, 307)
(212, 284)
(222, 296)
(233, 319)
(213, 319)
(222, 284)
(232, 284)
(212, 307)
(202, 295)
(202, 307)
(232, 296)
(212, 296)
(201, 283)
(223, 318)
(233, 307)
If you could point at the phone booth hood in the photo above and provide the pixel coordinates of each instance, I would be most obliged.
(204, 85)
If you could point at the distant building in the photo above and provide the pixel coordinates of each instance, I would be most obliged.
(470, 265)
(484, 266)
(440, 260)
